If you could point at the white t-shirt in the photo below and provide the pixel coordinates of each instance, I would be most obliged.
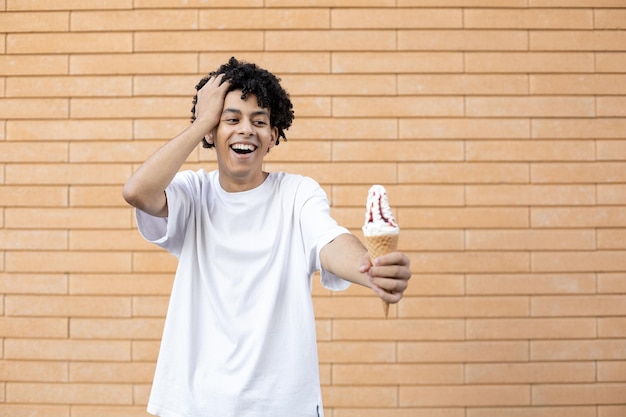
(239, 337)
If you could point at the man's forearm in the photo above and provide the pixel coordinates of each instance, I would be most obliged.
(345, 256)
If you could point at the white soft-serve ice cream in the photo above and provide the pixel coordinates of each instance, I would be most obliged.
(380, 229)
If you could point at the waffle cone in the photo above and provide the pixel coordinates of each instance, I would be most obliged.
(379, 246)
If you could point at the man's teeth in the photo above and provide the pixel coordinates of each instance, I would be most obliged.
(243, 148)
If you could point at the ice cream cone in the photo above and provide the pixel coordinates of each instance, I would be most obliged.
(378, 246)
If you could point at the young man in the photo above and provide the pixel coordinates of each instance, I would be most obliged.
(239, 338)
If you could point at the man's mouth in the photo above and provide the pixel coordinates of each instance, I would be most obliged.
(243, 148)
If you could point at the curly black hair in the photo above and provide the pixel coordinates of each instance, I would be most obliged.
(251, 79)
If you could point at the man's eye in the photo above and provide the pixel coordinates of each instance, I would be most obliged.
(260, 122)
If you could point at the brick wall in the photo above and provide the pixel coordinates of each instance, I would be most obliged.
(499, 128)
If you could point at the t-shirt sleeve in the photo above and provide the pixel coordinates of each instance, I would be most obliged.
(318, 229)
(169, 232)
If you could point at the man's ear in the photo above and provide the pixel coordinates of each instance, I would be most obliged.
(210, 138)
(274, 136)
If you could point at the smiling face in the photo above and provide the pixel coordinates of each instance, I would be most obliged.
(242, 139)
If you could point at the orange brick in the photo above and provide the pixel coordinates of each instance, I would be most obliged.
(611, 106)
(398, 330)
(482, 128)
(33, 64)
(107, 240)
(531, 328)
(533, 411)
(464, 395)
(347, 307)
(110, 411)
(145, 350)
(470, 262)
(600, 128)
(67, 174)
(63, 218)
(321, 128)
(68, 86)
(61, 306)
(589, 172)
(530, 373)
(159, 128)
(69, 393)
(398, 412)
(356, 352)
(96, 196)
(612, 327)
(128, 151)
(83, 108)
(64, 349)
(265, 18)
(133, 20)
(150, 306)
(136, 63)
(568, 40)
(69, 130)
(120, 284)
(398, 151)
(33, 410)
(562, 84)
(59, 262)
(306, 40)
(397, 374)
(33, 371)
(564, 306)
(436, 284)
(282, 62)
(524, 195)
(463, 40)
(111, 372)
(463, 173)
(611, 151)
(569, 394)
(611, 283)
(530, 150)
(158, 262)
(529, 62)
(397, 62)
(578, 217)
(13, 22)
(58, 43)
(67, 4)
(401, 106)
(609, 19)
(613, 371)
(33, 239)
(27, 108)
(312, 106)
(364, 18)
(336, 396)
(463, 351)
(466, 84)
(528, 18)
(110, 328)
(465, 217)
(141, 394)
(611, 410)
(165, 85)
(194, 3)
(530, 106)
(531, 239)
(338, 84)
(421, 307)
(194, 41)
(16, 152)
(32, 327)
(33, 283)
(608, 349)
